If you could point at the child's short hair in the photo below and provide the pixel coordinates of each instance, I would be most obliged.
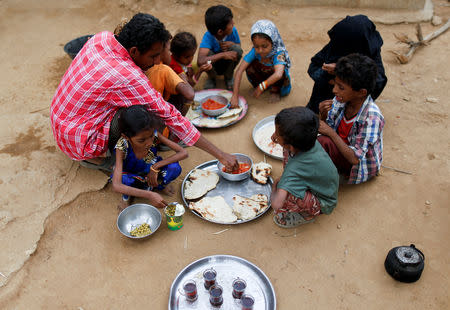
(298, 126)
(183, 42)
(358, 71)
(217, 18)
(135, 119)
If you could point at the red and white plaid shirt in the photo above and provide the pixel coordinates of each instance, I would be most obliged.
(100, 80)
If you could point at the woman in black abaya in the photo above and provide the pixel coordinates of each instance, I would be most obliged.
(354, 34)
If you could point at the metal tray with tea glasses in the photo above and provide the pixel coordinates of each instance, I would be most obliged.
(228, 268)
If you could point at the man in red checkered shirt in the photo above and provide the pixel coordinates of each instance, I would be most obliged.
(107, 75)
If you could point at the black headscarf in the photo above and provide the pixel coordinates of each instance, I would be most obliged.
(353, 34)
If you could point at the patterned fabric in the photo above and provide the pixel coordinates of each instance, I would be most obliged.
(268, 28)
(135, 170)
(101, 79)
(258, 72)
(365, 137)
(308, 207)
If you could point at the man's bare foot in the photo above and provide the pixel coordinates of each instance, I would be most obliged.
(123, 205)
(274, 97)
(168, 190)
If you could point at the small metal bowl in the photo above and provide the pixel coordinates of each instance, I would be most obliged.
(242, 158)
(217, 98)
(137, 214)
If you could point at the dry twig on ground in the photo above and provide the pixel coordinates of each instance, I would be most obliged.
(413, 45)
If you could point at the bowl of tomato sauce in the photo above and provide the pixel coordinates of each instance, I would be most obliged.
(214, 105)
(241, 173)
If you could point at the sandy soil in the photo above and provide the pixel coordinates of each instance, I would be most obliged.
(60, 248)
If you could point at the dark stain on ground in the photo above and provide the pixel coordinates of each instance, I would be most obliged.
(25, 144)
(56, 71)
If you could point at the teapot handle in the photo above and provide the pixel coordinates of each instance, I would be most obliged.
(414, 247)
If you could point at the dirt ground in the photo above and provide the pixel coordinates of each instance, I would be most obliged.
(60, 248)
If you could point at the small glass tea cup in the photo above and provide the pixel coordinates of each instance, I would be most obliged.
(215, 295)
(247, 302)
(209, 275)
(189, 290)
(239, 286)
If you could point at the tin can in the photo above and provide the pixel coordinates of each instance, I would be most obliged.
(174, 215)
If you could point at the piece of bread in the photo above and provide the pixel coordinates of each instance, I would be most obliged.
(248, 208)
(230, 112)
(199, 183)
(261, 172)
(215, 209)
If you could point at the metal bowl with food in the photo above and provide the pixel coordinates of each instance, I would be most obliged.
(214, 105)
(139, 221)
(245, 168)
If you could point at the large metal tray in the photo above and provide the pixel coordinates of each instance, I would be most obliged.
(265, 122)
(228, 268)
(199, 95)
(228, 189)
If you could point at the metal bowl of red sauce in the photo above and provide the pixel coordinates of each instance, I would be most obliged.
(243, 172)
(214, 105)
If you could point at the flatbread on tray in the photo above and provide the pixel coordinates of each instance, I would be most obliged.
(261, 172)
(214, 122)
(230, 112)
(199, 183)
(249, 208)
(192, 114)
(215, 209)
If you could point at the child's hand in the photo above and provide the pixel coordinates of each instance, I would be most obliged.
(325, 129)
(230, 55)
(205, 67)
(234, 102)
(257, 92)
(190, 72)
(225, 45)
(156, 200)
(324, 108)
(329, 68)
(152, 178)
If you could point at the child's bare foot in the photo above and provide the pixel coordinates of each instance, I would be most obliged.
(168, 190)
(123, 205)
(274, 97)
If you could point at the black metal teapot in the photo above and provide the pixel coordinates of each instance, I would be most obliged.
(405, 263)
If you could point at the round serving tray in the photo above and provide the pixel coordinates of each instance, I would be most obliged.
(199, 95)
(228, 268)
(228, 189)
(265, 122)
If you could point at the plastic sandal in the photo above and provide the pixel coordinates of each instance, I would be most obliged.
(107, 164)
(292, 219)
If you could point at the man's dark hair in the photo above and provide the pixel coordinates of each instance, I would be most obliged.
(358, 71)
(183, 42)
(298, 126)
(142, 31)
(217, 18)
(135, 119)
